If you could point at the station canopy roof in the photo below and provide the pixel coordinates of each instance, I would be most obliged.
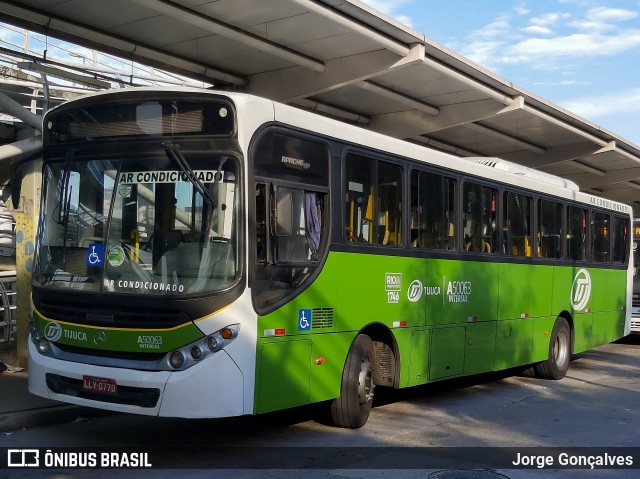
(344, 59)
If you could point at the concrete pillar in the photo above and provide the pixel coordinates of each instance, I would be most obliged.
(26, 216)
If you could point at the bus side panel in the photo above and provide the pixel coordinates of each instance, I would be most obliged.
(525, 290)
(328, 356)
(373, 288)
(376, 289)
(480, 347)
(563, 279)
(583, 331)
(561, 293)
(514, 343)
(285, 368)
(542, 328)
(608, 290)
(602, 328)
(447, 352)
(460, 292)
(607, 303)
(420, 353)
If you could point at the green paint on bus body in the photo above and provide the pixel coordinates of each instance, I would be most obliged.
(116, 339)
(448, 317)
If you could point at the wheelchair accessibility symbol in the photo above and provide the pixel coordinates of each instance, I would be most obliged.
(304, 319)
(95, 253)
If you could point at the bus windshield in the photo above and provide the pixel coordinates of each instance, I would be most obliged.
(147, 226)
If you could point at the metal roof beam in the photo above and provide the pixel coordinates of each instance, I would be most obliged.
(468, 80)
(30, 145)
(612, 177)
(612, 146)
(330, 110)
(399, 97)
(411, 123)
(552, 156)
(212, 25)
(355, 26)
(15, 109)
(485, 130)
(565, 125)
(64, 74)
(291, 84)
(64, 29)
(587, 168)
(401, 48)
(440, 145)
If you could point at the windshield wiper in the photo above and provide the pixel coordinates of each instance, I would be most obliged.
(64, 200)
(173, 152)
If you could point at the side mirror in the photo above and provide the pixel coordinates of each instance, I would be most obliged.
(284, 213)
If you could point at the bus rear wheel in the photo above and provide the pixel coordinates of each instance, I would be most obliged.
(351, 409)
(556, 366)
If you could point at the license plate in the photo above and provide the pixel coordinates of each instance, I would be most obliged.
(635, 311)
(99, 385)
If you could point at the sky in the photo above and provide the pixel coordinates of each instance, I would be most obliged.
(582, 55)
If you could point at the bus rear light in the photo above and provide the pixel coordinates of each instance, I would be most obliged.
(399, 324)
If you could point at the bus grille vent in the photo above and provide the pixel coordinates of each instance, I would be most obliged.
(322, 318)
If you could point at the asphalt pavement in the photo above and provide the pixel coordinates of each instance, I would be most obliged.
(19, 409)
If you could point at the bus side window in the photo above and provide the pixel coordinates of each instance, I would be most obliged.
(432, 211)
(576, 234)
(620, 239)
(517, 224)
(479, 210)
(549, 229)
(600, 237)
(373, 208)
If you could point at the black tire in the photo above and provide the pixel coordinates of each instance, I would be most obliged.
(351, 409)
(556, 366)
(529, 372)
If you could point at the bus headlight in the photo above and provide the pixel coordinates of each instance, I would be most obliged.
(212, 343)
(43, 345)
(176, 360)
(196, 353)
(39, 341)
(190, 354)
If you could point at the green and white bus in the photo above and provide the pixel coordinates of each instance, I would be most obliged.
(635, 303)
(213, 254)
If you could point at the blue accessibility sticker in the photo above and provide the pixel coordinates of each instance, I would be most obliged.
(304, 319)
(95, 254)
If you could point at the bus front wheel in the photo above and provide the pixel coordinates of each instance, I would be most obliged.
(556, 366)
(351, 408)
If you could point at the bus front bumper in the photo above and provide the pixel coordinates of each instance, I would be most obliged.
(213, 388)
